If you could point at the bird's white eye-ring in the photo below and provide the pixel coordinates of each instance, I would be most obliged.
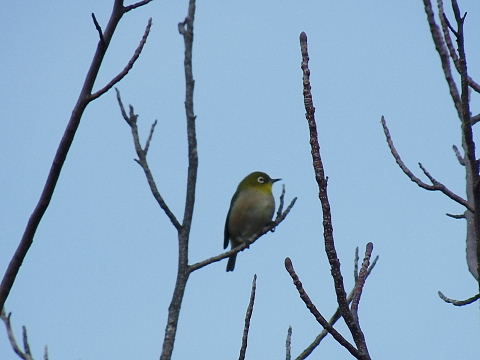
(261, 180)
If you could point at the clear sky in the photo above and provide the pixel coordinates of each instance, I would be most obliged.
(98, 279)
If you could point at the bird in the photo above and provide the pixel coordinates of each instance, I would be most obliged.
(251, 209)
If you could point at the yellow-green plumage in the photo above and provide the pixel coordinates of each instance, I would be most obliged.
(251, 209)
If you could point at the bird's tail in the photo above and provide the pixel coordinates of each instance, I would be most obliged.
(231, 262)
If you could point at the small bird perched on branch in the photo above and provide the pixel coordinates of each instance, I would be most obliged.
(251, 209)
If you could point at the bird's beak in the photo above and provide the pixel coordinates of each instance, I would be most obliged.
(275, 180)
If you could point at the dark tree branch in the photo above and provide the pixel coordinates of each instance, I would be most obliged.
(129, 65)
(288, 344)
(446, 26)
(468, 144)
(136, 5)
(98, 27)
(475, 119)
(248, 317)
(459, 302)
(245, 245)
(436, 185)
(131, 120)
(460, 158)
(444, 55)
(24, 354)
(321, 320)
(330, 250)
(185, 28)
(355, 265)
(456, 216)
(149, 139)
(360, 280)
(83, 100)
(333, 319)
(282, 200)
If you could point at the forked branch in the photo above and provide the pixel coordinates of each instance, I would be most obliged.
(84, 98)
(248, 317)
(435, 184)
(351, 322)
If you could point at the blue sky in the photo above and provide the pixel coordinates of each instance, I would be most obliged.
(98, 279)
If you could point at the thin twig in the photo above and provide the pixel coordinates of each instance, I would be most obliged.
(459, 302)
(446, 26)
(444, 55)
(248, 317)
(330, 250)
(23, 354)
(26, 345)
(460, 158)
(131, 120)
(437, 186)
(288, 344)
(475, 119)
(149, 139)
(355, 265)
(279, 218)
(319, 317)
(98, 27)
(282, 199)
(456, 216)
(129, 65)
(360, 281)
(333, 319)
(136, 5)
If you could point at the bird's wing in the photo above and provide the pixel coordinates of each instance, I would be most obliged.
(226, 233)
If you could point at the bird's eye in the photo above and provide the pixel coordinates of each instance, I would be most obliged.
(261, 179)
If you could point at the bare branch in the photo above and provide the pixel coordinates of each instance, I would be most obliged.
(25, 354)
(248, 317)
(99, 28)
(83, 100)
(149, 139)
(282, 199)
(473, 84)
(330, 250)
(129, 65)
(136, 5)
(186, 30)
(446, 26)
(355, 266)
(475, 119)
(459, 156)
(436, 185)
(459, 302)
(131, 120)
(468, 144)
(441, 48)
(26, 345)
(360, 281)
(319, 317)
(454, 216)
(279, 218)
(288, 344)
(333, 319)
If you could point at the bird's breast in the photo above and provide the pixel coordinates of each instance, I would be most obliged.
(250, 212)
